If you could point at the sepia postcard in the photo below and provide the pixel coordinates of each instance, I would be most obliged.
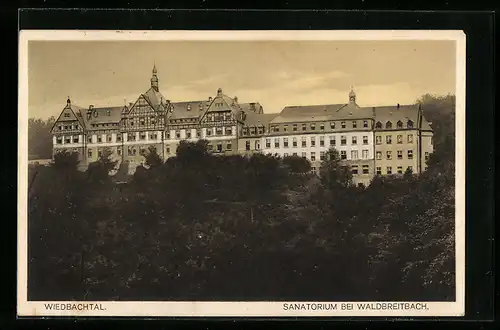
(241, 173)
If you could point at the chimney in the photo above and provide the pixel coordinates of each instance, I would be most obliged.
(201, 106)
(252, 106)
(219, 92)
(236, 99)
(398, 105)
(189, 107)
(209, 99)
(91, 107)
(130, 104)
(242, 115)
(373, 111)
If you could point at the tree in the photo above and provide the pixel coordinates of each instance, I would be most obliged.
(153, 159)
(297, 164)
(65, 161)
(40, 138)
(98, 171)
(333, 172)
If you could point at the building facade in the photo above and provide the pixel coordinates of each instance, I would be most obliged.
(371, 141)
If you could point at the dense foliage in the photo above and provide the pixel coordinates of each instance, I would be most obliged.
(241, 228)
(40, 138)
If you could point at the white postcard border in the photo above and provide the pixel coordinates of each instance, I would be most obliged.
(235, 309)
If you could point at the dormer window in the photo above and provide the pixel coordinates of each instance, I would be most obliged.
(388, 125)
(108, 113)
(410, 124)
(400, 124)
(378, 125)
(66, 114)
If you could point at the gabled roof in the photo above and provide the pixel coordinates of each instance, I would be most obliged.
(222, 102)
(189, 109)
(258, 119)
(105, 115)
(154, 97)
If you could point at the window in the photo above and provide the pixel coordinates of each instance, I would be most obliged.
(304, 127)
(365, 139)
(219, 146)
(247, 145)
(410, 154)
(343, 140)
(354, 154)
(99, 138)
(218, 131)
(142, 136)
(400, 124)
(378, 139)
(354, 140)
(322, 126)
(229, 146)
(229, 130)
(294, 142)
(366, 169)
(66, 115)
(410, 169)
(119, 151)
(313, 141)
(257, 145)
(332, 140)
(304, 143)
(400, 169)
(285, 128)
(313, 156)
(109, 138)
(261, 130)
(277, 143)
(304, 154)
(410, 138)
(426, 156)
(268, 143)
(400, 139)
(178, 134)
(89, 153)
(389, 170)
(275, 128)
(89, 139)
(118, 137)
(321, 141)
(388, 139)
(188, 134)
(285, 154)
(388, 125)
(354, 124)
(294, 127)
(379, 170)
(59, 140)
(343, 154)
(364, 154)
(142, 122)
(244, 131)
(378, 125)
(400, 154)
(153, 136)
(313, 127)
(409, 124)
(294, 154)
(365, 123)
(209, 131)
(354, 169)
(60, 128)
(66, 127)
(379, 155)
(388, 154)
(76, 139)
(332, 125)
(322, 155)
(342, 124)
(210, 147)
(168, 150)
(285, 142)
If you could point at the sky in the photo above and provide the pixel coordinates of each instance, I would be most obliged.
(273, 73)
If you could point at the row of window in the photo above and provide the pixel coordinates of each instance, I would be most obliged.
(68, 127)
(399, 124)
(217, 131)
(312, 126)
(312, 141)
(388, 170)
(219, 116)
(388, 154)
(399, 139)
(252, 130)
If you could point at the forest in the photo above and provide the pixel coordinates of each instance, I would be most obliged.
(203, 227)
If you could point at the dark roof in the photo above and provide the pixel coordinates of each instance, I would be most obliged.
(101, 115)
(257, 119)
(323, 112)
(155, 98)
(401, 113)
(180, 109)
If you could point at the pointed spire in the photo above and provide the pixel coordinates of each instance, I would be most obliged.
(68, 101)
(154, 69)
(154, 79)
(352, 95)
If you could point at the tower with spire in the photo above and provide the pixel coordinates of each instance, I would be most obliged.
(352, 95)
(154, 79)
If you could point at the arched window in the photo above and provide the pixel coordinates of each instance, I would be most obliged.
(410, 124)
(400, 124)
(388, 125)
(378, 125)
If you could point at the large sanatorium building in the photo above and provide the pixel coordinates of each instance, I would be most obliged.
(372, 140)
